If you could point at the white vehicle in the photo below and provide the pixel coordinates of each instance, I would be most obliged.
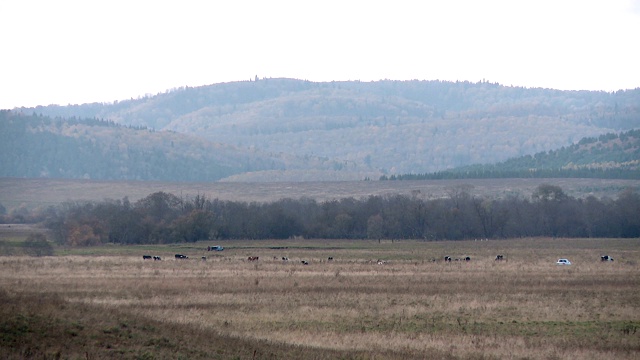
(563, 262)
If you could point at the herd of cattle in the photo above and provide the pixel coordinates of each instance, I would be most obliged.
(449, 259)
(499, 257)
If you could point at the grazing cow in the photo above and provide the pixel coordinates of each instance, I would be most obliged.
(467, 259)
(253, 258)
(330, 258)
(284, 258)
(157, 258)
(146, 257)
(204, 258)
(180, 256)
(499, 257)
(606, 258)
(447, 258)
(305, 262)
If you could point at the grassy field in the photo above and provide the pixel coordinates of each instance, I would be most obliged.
(107, 302)
(34, 193)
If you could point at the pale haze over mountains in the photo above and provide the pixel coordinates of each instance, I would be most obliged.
(289, 129)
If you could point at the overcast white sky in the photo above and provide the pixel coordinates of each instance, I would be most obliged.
(68, 52)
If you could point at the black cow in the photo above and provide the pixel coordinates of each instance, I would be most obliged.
(606, 258)
(305, 262)
(284, 258)
(447, 258)
(180, 256)
(146, 257)
(499, 257)
(467, 259)
(330, 258)
(157, 258)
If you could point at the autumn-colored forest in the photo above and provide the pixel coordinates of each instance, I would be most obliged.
(341, 130)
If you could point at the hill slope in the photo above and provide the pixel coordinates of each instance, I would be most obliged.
(390, 127)
(36, 146)
(607, 156)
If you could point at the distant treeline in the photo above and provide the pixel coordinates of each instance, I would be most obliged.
(609, 156)
(165, 218)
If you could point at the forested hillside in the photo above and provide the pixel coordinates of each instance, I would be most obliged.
(388, 127)
(37, 146)
(606, 156)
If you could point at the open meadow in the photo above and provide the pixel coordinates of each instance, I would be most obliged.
(41, 192)
(373, 300)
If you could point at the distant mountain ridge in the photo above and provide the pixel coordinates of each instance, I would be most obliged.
(352, 129)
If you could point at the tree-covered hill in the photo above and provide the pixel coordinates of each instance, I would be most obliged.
(389, 127)
(606, 156)
(40, 146)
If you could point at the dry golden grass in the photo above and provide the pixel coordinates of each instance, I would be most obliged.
(40, 193)
(410, 307)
